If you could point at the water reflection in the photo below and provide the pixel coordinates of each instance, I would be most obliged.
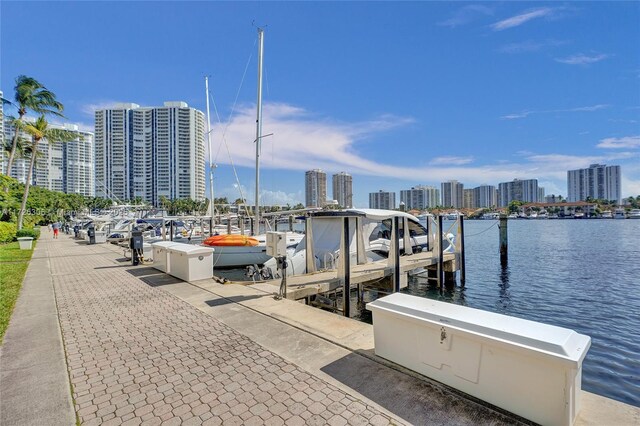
(504, 298)
(418, 286)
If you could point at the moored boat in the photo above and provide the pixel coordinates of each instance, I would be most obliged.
(634, 214)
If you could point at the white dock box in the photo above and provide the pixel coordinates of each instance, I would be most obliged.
(189, 262)
(531, 369)
(101, 237)
(161, 255)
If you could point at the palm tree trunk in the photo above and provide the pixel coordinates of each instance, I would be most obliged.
(27, 184)
(14, 145)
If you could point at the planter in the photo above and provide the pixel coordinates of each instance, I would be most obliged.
(25, 243)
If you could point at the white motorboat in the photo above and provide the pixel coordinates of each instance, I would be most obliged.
(233, 251)
(370, 233)
(619, 214)
(606, 215)
(634, 214)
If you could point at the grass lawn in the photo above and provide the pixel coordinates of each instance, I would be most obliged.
(13, 265)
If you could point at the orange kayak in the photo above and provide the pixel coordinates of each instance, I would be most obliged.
(230, 240)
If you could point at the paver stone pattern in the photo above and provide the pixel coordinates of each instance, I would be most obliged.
(138, 355)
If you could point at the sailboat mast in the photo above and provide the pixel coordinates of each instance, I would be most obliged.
(211, 166)
(258, 130)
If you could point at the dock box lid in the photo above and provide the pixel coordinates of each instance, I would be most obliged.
(544, 338)
(163, 244)
(190, 250)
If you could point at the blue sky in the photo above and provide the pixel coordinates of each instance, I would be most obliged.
(395, 93)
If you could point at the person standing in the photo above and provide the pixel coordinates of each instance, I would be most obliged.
(56, 229)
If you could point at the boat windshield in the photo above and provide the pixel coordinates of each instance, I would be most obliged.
(383, 230)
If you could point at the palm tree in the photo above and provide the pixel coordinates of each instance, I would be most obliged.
(31, 95)
(38, 131)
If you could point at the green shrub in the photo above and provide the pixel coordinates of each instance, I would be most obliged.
(28, 233)
(7, 232)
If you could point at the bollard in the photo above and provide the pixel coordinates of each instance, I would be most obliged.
(504, 243)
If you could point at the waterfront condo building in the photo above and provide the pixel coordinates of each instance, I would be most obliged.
(343, 189)
(485, 196)
(468, 199)
(518, 190)
(315, 188)
(452, 194)
(598, 182)
(65, 167)
(382, 200)
(420, 197)
(150, 152)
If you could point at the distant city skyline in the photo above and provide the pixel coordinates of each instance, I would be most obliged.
(481, 92)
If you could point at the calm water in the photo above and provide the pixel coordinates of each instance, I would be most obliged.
(579, 274)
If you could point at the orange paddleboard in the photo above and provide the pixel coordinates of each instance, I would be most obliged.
(230, 240)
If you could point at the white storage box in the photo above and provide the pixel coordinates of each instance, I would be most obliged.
(101, 237)
(25, 243)
(189, 262)
(160, 255)
(531, 369)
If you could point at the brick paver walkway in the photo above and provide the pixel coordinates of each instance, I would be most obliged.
(138, 355)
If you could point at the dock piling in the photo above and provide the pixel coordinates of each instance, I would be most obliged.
(461, 249)
(440, 253)
(504, 243)
(346, 261)
(395, 234)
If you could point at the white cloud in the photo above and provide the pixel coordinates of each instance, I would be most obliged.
(303, 141)
(581, 59)
(450, 160)
(624, 142)
(529, 46)
(465, 15)
(525, 114)
(518, 20)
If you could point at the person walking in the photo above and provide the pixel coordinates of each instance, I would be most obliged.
(56, 229)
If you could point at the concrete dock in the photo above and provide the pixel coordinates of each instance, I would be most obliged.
(96, 339)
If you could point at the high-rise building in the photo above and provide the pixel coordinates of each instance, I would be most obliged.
(420, 197)
(540, 194)
(65, 167)
(598, 182)
(518, 190)
(452, 194)
(315, 188)
(382, 200)
(343, 189)
(468, 199)
(150, 152)
(485, 196)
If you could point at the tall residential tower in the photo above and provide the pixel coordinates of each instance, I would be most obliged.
(343, 189)
(598, 182)
(150, 152)
(315, 188)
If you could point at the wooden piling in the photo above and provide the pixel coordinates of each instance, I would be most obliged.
(290, 223)
(504, 243)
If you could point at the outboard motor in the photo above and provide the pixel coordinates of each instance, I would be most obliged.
(91, 233)
(136, 246)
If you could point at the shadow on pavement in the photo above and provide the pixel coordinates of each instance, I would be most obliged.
(225, 301)
(415, 400)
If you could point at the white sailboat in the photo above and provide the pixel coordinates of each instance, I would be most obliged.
(232, 251)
